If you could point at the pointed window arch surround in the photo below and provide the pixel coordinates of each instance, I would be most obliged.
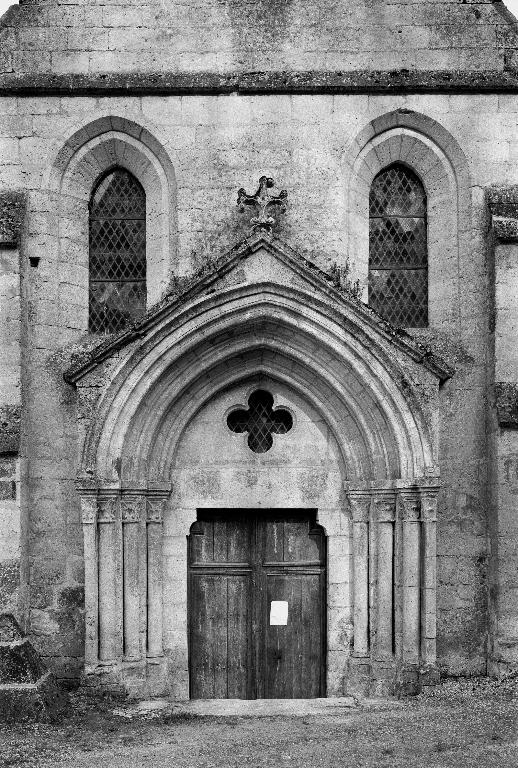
(117, 243)
(398, 249)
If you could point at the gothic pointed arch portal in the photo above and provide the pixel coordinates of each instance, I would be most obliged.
(345, 429)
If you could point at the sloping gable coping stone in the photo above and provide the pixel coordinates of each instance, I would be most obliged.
(189, 287)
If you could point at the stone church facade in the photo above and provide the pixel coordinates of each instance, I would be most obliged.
(267, 449)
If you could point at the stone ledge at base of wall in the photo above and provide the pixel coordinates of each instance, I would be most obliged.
(371, 678)
(506, 395)
(28, 691)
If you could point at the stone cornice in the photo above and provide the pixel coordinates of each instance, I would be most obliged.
(287, 82)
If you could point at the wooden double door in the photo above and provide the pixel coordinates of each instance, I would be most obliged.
(257, 605)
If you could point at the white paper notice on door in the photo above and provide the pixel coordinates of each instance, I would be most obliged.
(278, 613)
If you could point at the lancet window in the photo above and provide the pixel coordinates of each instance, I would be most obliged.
(117, 241)
(398, 251)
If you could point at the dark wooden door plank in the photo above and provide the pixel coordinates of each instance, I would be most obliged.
(239, 562)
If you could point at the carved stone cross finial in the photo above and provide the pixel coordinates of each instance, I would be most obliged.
(262, 200)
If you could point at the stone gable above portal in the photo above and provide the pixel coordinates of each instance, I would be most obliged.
(254, 36)
(256, 270)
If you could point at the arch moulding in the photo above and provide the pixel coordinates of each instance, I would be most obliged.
(89, 153)
(429, 150)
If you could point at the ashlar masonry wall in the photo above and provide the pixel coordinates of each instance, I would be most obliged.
(12, 210)
(43, 36)
(217, 144)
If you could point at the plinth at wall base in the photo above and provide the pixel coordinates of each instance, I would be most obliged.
(379, 678)
(137, 679)
(500, 669)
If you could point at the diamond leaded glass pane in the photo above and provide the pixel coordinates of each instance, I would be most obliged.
(397, 191)
(117, 252)
(397, 242)
(114, 304)
(401, 295)
(398, 251)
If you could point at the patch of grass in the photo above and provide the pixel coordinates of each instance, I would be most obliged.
(180, 718)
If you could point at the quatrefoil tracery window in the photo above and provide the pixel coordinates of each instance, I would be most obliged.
(117, 252)
(261, 421)
(398, 251)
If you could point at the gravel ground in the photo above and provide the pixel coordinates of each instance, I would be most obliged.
(457, 724)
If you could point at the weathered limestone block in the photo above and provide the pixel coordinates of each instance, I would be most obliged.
(28, 691)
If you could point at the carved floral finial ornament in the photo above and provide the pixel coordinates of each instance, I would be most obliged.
(263, 199)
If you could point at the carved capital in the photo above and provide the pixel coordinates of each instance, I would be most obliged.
(89, 508)
(155, 510)
(384, 506)
(409, 505)
(107, 506)
(360, 504)
(429, 498)
(131, 508)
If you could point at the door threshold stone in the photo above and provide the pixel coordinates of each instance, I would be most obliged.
(241, 707)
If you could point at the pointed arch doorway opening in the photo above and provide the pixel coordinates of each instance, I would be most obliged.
(257, 605)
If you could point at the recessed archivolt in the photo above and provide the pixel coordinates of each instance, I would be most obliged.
(358, 440)
(350, 380)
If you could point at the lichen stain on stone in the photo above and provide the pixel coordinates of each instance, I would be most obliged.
(7, 467)
(312, 484)
(9, 580)
(206, 484)
(12, 212)
(5, 265)
(60, 631)
(249, 478)
(71, 598)
(258, 24)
